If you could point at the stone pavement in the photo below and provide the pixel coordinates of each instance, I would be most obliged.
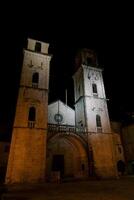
(120, 189)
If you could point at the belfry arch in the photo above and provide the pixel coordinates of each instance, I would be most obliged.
(68, 155)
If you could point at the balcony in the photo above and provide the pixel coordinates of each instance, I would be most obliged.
(65, 128)
(31, 124)
(54, 129)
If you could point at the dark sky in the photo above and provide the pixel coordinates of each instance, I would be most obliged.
(105, 28)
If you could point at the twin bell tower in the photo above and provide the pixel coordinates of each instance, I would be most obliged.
(27, 158)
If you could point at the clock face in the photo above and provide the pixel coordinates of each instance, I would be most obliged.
(58, 117)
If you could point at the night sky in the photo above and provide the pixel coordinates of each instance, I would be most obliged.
(104, 28)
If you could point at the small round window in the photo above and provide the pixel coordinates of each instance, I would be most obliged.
(58, 117)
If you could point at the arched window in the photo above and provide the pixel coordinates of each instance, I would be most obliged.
(98, 123)
(119, 149)
(31, 117)
(98, 120)
(35, 80)
(38, 47)
(94, 86)
(89, 61)
(121, 166)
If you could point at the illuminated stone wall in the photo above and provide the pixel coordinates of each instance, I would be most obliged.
(95, 103)
(67, 114)
(119, 150)
(27, 158)
(116, 128)
(97, 107)
(90, 101)
(128, 141)
(31, 46)
(104, 157)
(4, 151)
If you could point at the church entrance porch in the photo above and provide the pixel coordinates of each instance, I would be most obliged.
(66, 157)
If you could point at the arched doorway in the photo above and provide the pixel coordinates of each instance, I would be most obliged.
(67, 154)
(121, 167)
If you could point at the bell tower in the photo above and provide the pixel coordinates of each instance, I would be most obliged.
(27, 158)
(92, 114)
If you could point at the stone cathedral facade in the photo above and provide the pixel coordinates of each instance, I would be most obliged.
(50, 139)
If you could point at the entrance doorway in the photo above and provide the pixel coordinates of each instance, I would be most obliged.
(132, 164)
(121, 167)
(58, 164)
(66, 158)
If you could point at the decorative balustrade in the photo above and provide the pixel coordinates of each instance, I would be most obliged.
(31, 124)
(65, 128)
(54, 129)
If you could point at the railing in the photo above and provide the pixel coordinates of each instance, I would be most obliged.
(31, 124)
(35, 85)
(99, 129)
(54, 129)
(65, 128)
